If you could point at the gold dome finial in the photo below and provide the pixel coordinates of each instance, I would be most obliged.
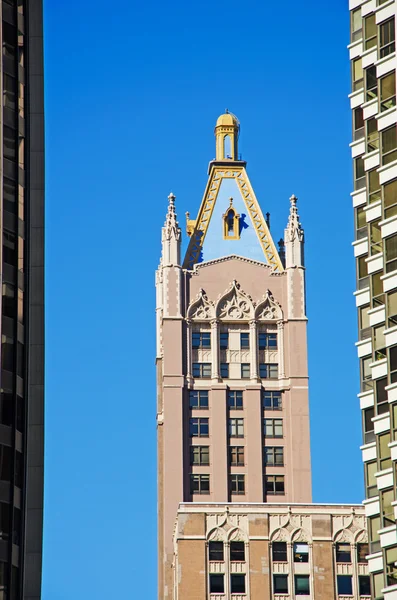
(226, 132)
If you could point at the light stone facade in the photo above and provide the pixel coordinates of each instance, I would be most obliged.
(232, 394)
(265, 529)
(374, 153)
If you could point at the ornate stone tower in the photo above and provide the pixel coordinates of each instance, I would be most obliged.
(232, 409)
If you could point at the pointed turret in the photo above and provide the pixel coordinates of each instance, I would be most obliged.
(294, 238)
(171, 236)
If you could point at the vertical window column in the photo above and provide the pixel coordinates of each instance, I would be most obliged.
(215, 349)
(280, 342)
(189, 350)
(253, 351)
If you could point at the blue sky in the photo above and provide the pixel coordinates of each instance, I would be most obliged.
(132, 96)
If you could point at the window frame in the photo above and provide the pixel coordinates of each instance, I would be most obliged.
(201, 422)
(237, 484)
(235, 399)
(202, 397)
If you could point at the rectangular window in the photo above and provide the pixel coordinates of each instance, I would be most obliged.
(384, 450)
(237, 551)
(362, 553)
(391, 309)
(215, 551)
(344, 585)
(268, 370)
(237, 584)
(301, 553)
(359, 173)
(372, 135)
(271, 400)
(357, 75)
(235, 399)
(302, 585)
(236, 456)
(274, 485)
(199, 484)
(375, 238)
(202, 370)
(343, 553)
(358, 124)
(379, 583)
(393, 364)
(374, 191)
(198, 399)
(374, 526)
(224, 341)
(370, 32)
(389, 145)
(356, 25)
(225, 370)
(371, 83)
(236, 427)
(391, 569)
(245, 371)
(274, 456)
(217, 584)
(201, 339)
(364, 586)
(368, 426)
(387, 497)
(244, 341)
(361, 223)
(370, 479)
(273, 428)
(390, 198)
(280, 584)
(388, 91)
(279, 552)
(237, 484)
(387, 38)
(199, 455)
(267, 341)
(199, 427)
(391, 253)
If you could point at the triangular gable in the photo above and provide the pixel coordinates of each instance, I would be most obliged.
(258, 241)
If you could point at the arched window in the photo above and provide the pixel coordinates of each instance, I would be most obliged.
(231, 229)
(227, 147)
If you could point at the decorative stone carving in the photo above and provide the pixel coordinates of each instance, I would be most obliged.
(268, 308)
(290, 528)
(235, 304)
(230, 526)
(201, 309)
(349, 528)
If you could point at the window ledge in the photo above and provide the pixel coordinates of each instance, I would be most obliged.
(388, 275)
(388, 221)
(377, 363)
(388, 166)
(358, 142)
(365, 394)
(370, 445)
(355, 43)
(387, 529)
(384, 59)
(356, 93)
(366, 157)
(358, 242)
(357, 292)
(381, 6)
(370, 103)
(378, 202)
(388, 471)
(389, 111)
(392, 386)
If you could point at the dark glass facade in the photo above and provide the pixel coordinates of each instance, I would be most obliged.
(22, 305)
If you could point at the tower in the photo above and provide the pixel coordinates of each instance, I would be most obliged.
(234, 475)
(22, 304)
(374, 153)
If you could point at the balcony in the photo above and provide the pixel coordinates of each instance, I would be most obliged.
(390, 593)
(388, 536)
(375, 562)
(377, 315)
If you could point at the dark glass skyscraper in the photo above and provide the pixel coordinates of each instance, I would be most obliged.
(22, 307)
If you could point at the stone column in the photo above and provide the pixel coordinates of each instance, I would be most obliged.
(280, 344)
(215, 350)
(253, 351)
(189, 351)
